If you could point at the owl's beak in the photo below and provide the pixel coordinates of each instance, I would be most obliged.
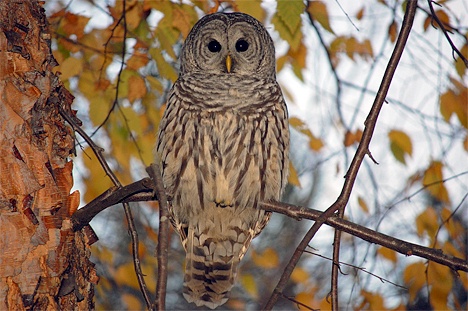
(228, 63)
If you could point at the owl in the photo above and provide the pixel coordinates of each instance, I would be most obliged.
(223, 144)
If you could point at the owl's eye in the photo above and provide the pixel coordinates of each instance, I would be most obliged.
(214, 46)
(242, 45)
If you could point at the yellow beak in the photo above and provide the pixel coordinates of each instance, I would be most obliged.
(228, 63)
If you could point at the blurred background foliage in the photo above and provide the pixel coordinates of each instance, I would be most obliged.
(119, 59)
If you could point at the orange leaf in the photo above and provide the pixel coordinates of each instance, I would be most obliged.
(363, 205)
(433, 180)
(299, 275)
(351, 138)
(360, 14)
(184, 17)
(136, 88)
(427, 222)
(318, 11)
(412, 276)
(268, 259)
(393, 31)
(387, 254)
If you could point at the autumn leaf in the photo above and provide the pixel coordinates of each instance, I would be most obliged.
(352, 138)
(454, 101)
(300, 276)
(293, 178)
(184, 17)
(315, 143)
(400, 145)
(362, 203)
(249, 284)
(287, 21)
(433, 180)
(70, 67)
(318, 11)
(427, 222)
(253, 8)
(393, 31)
(442, 16)
(268, 259)
(136, 88)
(387, 254)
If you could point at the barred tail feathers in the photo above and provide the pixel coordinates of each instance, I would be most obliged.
(211, 264)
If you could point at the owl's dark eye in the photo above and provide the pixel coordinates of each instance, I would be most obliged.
(214, 46)
(242, 45)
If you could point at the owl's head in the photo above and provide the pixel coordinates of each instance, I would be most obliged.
(231, 43)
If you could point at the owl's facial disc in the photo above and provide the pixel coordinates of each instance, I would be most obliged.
(230, 43)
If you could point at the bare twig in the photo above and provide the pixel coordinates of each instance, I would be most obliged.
(332, 66)
(98, 151)
(444, 31)
(163, 238)
(383, 280)
(361, 151)
(369, 235)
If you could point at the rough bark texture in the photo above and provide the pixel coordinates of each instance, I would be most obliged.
(43, 263)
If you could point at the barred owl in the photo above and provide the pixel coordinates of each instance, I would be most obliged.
(223, 143)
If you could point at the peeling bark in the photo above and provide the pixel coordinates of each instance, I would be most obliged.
(43, 263)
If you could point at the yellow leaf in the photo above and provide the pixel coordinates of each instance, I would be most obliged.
(164, 68)
(297, 58)
(132, 302)
(253, 8)
(318, 11)
(459, 63)
(287, 21)
(125, 275)
(184, 18)
(440, 278)
(136, 88)
(400, 145)
(433, 180)
(412, 276)
(300, 276)
(289, 11)
(293, 178)
(249, 284)
(427, 222)
(315, 143)
(267, 260)
(307, 299)
(96, 182)
(371, 301)
(70, 67)
(387, 254)
(363, 205)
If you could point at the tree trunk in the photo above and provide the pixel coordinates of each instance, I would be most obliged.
(43, 263)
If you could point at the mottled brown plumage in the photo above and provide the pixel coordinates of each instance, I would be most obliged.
(223, 143)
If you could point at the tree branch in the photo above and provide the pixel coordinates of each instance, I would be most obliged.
(361, 151)
(163, 237)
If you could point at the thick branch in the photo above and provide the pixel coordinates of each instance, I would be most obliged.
(400, 246)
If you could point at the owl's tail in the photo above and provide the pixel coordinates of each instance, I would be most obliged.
(211, 265)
